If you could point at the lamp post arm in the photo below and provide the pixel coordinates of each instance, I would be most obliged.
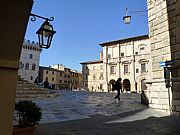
(34, 17)
(141, 11)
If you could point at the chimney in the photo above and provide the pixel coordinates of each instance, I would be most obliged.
(101, 55)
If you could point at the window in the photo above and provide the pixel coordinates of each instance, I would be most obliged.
(136, 53)
(33, 66)
(21, 65)
(85, 76)
(46, 72)
(60, 74)
(94, 67)
(31, 77)
(30, 56)
(137, 70)
(94, 77)
(122, 54)
(52, 78)
(125, 69)
(143, 67)
(101, 76)
(60, 81)
(68, 81)
(142, 50)
(53, 72)
(109, 56)
(112, 70)
(27, 66)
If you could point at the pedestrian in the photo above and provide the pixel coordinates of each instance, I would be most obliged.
(118, 86)
(46, 83)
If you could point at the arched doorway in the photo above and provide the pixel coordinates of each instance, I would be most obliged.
(144, 99)
(110, 84)
(143, 85)
(126, 85)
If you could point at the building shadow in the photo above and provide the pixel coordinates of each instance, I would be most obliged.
(122, 124)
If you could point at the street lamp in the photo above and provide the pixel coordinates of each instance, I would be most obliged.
(127, 18)
(45, 32)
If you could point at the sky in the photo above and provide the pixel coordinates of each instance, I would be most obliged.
(81, 25)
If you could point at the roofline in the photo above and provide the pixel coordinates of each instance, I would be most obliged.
(124, 40)
(48, 68)
(92, 62)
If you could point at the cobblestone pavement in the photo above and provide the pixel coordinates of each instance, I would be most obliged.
(83, 113)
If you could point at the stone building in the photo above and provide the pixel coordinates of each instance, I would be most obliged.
(93, 75)
(164, 34)
(128, 58)
(60, 77)
(29, 61)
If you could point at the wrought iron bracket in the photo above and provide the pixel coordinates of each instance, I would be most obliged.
(33, 17)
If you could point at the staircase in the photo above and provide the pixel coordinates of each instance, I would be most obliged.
(26, 90)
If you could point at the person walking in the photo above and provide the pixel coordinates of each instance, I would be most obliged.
(46, 83)
(118, 87)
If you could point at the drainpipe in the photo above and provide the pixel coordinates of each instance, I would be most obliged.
(119, 60)
(106, 67)
(134, 67)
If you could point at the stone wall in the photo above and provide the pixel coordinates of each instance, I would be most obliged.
(173, 8)
(163, 16)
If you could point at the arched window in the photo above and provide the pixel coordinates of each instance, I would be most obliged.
(21, 65)
(33, 66)
(27, 66)
(30, 56)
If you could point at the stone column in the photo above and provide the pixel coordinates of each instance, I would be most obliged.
(14, 19)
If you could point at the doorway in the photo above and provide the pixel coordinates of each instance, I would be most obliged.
(126, 85)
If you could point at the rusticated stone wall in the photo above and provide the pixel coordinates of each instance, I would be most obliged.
(164, 33)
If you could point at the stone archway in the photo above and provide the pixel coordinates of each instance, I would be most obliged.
(144, 98)
(143, 85)
(110, 84)
(126, 85)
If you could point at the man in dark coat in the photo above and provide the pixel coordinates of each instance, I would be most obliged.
(46, 83)
(118, 87)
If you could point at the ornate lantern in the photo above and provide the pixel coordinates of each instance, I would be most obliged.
(127, 19)
(45, 34)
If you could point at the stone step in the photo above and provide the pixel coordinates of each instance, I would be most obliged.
(26, 90)
(34, 92)
(30, 96)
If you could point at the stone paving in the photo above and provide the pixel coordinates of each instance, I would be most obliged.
(83, 113)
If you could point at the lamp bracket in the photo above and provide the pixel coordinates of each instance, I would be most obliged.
(34, 17)
(136, 11)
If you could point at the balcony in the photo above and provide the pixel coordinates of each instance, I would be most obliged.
(143, 56)
(112, 61)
